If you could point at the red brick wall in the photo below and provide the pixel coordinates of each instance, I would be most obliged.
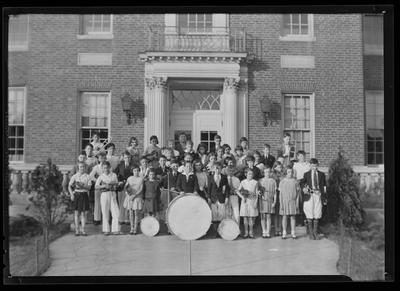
(336, 81)
(54, 80)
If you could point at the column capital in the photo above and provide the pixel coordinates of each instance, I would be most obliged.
(231, 83)
(155, 82)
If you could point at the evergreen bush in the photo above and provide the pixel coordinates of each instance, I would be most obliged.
(47, 196)
(344, 204)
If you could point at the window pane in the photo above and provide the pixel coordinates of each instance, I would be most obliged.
(379, 146)
(204, 135)
(20, 131)
(379, 159)
(371, 158)
(20, 143)
(295, 29)
(304, 18)
(11, 142)
(209, 18)
(295, 19)
(371, 146)
(12, 130)
(18, 30)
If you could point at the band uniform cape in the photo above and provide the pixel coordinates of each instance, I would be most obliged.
(217, 192)
(307, 180)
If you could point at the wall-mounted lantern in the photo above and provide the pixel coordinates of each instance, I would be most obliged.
(266, 106)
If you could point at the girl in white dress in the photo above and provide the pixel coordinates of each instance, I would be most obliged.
(248, 192)
(267, 201)
(134, 198)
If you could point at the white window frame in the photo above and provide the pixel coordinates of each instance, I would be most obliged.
(98, 34)
(312, 118)
(23, 47)
(301, 37)
(220, 24)
(80, 114)
(23, 156)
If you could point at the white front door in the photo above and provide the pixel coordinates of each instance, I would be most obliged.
(206, 124)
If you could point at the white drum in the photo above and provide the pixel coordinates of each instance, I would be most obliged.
(149, 226)
(228, 229)
(188, 216)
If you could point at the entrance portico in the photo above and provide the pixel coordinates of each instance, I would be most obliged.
(213, 87)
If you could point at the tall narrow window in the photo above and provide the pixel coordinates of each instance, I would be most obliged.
(97, 24)
(16, 123)
(373, 34)
(195, 23)
(297, 121)
(18, 32)
(94, 116)
(375, 126)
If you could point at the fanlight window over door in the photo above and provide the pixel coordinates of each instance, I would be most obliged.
(195, 100)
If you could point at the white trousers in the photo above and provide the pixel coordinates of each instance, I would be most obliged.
(123, 212)
(108, 202)
(234, 208)
(313, 207)
(97, 206)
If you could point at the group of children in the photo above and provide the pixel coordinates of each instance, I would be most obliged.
(244, 184)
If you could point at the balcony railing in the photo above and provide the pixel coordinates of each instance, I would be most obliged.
(216, 39)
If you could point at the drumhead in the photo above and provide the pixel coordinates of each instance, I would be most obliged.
(188, 216)
(228, 229)
(149, 226)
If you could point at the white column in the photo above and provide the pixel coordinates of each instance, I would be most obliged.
(230, 120)
(156, 110)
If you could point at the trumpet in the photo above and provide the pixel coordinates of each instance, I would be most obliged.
(104, 144)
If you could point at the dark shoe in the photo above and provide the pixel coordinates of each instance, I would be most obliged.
(315, 230)
(310, 229)
(284, 236)
(77, 234)
(267, 236)
(107, 233)
(294, 237)
(251, 236)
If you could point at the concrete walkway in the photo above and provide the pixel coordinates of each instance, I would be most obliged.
(126, 255)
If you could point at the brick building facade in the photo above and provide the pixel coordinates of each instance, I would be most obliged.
(315, 80)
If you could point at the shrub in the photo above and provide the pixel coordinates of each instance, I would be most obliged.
(47, 195)
(343, 191)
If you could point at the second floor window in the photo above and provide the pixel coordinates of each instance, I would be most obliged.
(18, 32)
(294, 24)
(195, 23)
(96, 24)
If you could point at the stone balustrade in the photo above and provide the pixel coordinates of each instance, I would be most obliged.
(21, 174)
(370, 177)
(20, 177)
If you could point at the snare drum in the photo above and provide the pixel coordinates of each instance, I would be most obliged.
(228, 229)
(188, 216)
(149, 226)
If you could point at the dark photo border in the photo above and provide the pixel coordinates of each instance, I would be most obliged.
(390, 72)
